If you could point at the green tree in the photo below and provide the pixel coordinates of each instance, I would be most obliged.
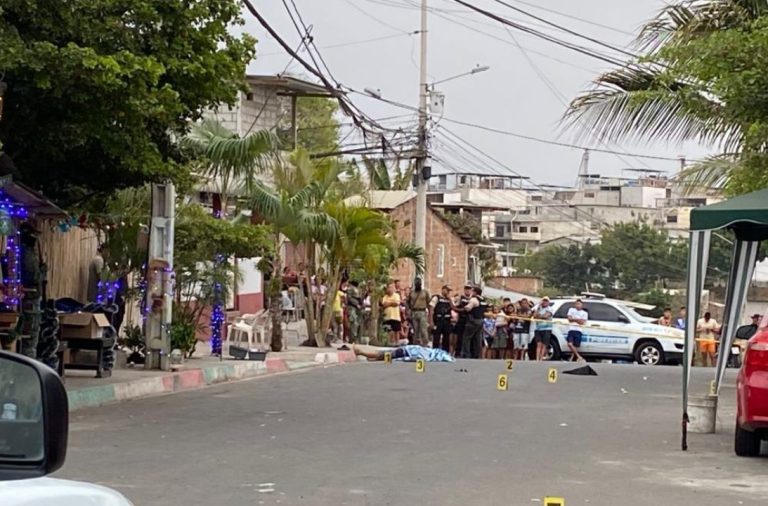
(98, 89)
(289, 215)
(318, 128)
(381, 179)
(636, 255)
(568, 269)
(201, 281)
(701, 79)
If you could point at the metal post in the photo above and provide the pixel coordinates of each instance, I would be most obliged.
(294, 122)
(161, 258)
(421, 182)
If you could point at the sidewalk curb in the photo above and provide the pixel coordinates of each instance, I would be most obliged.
(193, 379)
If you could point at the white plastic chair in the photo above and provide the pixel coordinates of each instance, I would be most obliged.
(251, 326)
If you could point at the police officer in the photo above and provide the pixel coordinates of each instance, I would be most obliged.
(441, 318)
(472, 341)
(461, 322)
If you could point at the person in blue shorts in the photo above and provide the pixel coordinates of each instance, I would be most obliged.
(577, 318)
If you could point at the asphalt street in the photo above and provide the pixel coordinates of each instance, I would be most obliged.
(377, 434)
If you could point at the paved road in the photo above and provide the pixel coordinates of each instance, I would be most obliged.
(372, 434)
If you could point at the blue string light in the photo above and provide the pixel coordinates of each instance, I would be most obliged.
(218, 315)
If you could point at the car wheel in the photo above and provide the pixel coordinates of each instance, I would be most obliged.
(746, 443)
(554, 353)
(649, 353)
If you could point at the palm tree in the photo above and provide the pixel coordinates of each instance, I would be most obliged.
(651, 100)
(380, 178)
(291, 215)
(359, 229)
(377, 264)
(232, 161)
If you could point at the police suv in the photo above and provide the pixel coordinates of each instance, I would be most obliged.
(616, 331)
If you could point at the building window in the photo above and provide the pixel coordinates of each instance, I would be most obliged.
(534, 230)
(672, 218)
(440, 260)
(249, 96)
(536, 198)
(523, 230)
(589, 195)
(500, 230)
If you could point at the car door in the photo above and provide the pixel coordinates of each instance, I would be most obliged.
(605, 332)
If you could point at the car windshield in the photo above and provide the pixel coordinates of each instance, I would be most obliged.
(635, 315)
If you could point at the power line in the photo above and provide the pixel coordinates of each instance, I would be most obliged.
(567, 30)
(559, 96)
(384, 23)
(574, 47)
(576, 18)
(577, 210)
(350, 43)
(557, 143)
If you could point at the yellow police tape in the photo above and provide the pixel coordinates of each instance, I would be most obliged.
(592, 327)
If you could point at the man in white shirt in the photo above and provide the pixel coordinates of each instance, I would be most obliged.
(577, 318)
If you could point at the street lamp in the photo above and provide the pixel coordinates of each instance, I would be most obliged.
(476, 70)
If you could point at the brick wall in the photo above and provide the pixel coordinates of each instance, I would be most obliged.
(438, 233)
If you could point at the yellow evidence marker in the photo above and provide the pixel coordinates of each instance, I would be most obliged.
(501, 383)
(420, 365)
(388, 357)
(510, 364)
(552, 378)
(554, 501)
(713, 388)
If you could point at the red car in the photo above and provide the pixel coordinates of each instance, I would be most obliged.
(752, 395)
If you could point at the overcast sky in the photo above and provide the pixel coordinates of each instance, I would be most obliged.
(520, 94)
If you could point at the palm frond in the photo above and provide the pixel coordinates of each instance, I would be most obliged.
(230, 157)
(413, 253)
(681, 22)
(637, 104)
(712, 172)
(267, 203)
(378, 173)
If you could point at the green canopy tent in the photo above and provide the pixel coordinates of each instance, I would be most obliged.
(747, 217)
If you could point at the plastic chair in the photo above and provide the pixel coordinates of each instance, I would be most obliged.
(251, 326)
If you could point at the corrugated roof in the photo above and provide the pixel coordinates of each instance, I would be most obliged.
(384, 200)
(289, 85)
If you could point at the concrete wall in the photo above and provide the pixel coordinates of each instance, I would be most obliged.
(262, 109)
(440, 237)
(641, 196)
(523, 284)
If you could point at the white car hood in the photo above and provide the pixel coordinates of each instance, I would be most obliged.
(54, 492)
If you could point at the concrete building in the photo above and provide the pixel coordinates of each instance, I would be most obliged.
(269, 104)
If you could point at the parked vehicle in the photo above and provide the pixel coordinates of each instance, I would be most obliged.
(616, 331)
(752, 395)
(34, 425)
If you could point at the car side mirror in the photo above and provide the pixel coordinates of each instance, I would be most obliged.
(34, 418)
(623, 319)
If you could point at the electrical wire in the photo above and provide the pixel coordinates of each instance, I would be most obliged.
(568, 30)
(576, 18)
(574, 47)
(577, 210)
(564, 101)
(347, 44)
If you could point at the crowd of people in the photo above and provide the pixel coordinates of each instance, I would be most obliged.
(462, 324)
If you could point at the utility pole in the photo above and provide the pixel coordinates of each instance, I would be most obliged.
(422, 164)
